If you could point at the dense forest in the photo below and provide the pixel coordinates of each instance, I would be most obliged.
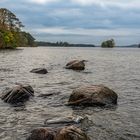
(11, 35)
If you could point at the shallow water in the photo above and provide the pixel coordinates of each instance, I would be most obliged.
(118, 68)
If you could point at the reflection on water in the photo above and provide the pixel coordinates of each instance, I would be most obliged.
(118, 69)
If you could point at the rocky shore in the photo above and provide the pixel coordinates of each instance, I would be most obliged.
(70, 128)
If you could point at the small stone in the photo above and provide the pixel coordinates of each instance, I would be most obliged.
(39, 71)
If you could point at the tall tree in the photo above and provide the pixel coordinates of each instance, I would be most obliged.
(11, 35)
(9, 21)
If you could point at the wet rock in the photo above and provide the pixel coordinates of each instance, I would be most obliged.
(93, 95)
(66, 133)
(42, 134)
(71, 133)
(39, 70)
(17, 94)
(76, 65)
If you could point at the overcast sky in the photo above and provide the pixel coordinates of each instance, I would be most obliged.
(79, 21)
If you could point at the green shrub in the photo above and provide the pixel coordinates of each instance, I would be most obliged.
(9, 39)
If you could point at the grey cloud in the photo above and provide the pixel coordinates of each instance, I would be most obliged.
(73, 14)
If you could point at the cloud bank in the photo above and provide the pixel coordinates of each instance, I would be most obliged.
(79, 20)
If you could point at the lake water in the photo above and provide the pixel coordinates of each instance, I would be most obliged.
(117, 68)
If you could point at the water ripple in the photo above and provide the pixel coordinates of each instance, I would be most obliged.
(117, 68)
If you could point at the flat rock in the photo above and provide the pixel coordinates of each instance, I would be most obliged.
(17, 94)
(92, 95)
(77, 121)
(39, 70)
(65, 120)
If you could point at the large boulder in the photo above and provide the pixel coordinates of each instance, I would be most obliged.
(93, 95)
(76, 65)
(42, 134)
(18, 94)
(71, 133)
(39, 70)
(66, 133)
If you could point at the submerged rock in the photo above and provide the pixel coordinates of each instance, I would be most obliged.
(66, 133)
(71, 133)
(17, 94)
(93, 95)
(48, 94)
(82, 122)
(39, 70)
(76, 65)
(66, 120)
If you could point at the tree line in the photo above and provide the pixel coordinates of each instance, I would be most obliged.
(62, 44)
(11, 35)
(105, 44)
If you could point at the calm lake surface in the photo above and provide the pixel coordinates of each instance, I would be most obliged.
(118, 68)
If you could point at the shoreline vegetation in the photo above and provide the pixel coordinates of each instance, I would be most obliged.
(11, 34)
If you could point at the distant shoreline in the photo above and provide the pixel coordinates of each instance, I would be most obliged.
(62, 44)
(66, 44)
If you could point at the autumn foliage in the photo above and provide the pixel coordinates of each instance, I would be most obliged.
(11, 35)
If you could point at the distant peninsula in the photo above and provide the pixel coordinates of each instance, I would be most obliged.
(62, 44)
(131, 46)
